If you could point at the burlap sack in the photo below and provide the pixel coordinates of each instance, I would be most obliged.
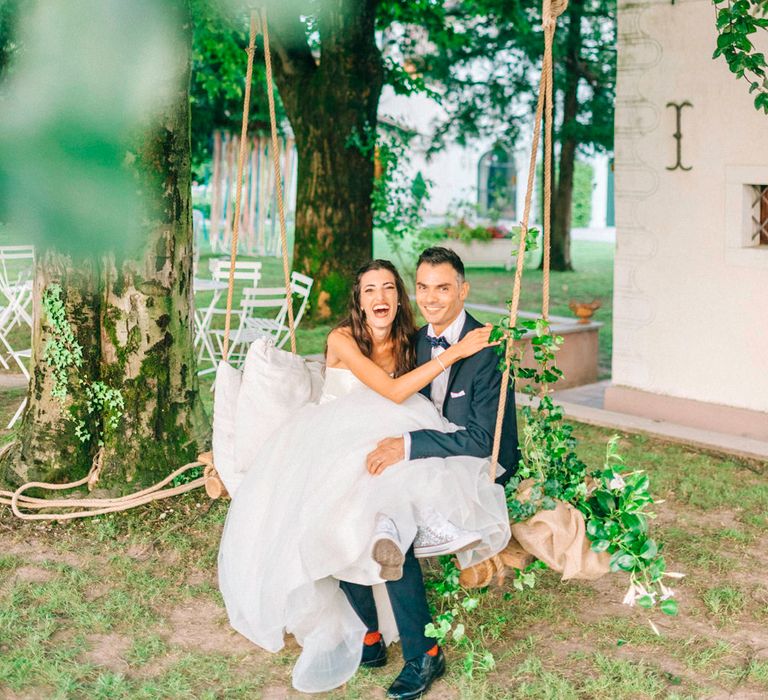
(558, 538)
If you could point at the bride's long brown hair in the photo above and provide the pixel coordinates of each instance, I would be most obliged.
(403, 327)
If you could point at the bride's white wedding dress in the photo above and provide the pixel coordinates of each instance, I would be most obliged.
(304, 517)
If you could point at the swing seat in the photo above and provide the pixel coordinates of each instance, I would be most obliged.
(512, 557)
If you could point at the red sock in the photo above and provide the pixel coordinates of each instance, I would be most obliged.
(433, 651)
(372, 638)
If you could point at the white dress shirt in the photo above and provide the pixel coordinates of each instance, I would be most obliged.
(439, 386)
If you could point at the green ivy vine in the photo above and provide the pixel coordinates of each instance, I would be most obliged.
(64, 353)
(398, 200)
(614, 501)
(736, 22)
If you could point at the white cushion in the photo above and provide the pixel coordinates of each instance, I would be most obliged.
(227, 389)
(275, 385)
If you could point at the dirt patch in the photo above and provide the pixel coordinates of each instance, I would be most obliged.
(200, 578)
(95, 591)
(439, 691)
(107, 651)
(32, 574)
(36, 551)
(157, 666)
(28, 694)
(151, 551)
(276, 692)
(204, 626)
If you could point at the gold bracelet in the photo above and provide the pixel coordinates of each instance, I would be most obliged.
(440, 362)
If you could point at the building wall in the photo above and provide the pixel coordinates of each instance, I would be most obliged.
(453, 171)
(691, 302)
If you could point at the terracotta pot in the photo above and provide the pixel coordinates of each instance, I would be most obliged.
(584, 310)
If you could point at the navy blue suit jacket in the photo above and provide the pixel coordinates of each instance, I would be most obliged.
(471, 400)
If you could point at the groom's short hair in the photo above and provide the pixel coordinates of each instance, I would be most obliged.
(437, 255)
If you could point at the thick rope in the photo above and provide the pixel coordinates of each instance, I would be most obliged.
(92, 506)
(551, 11)
(278, 182)
(547, 218)
(239, 184)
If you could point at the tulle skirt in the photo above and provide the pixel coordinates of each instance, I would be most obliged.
(303, 518)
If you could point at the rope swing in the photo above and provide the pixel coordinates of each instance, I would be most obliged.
(551, 10)
(251, 50)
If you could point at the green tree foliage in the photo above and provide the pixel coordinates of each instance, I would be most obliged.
(478, 58)
(737, 22)
(582, 194)
(218, 79)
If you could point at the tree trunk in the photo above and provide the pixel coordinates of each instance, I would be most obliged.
(134, 320)
(332, 105)
(47, 447)
(563, 194)
(147, 317)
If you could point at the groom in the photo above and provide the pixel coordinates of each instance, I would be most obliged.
(468, 396)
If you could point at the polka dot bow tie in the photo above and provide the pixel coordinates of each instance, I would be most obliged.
(440, 342)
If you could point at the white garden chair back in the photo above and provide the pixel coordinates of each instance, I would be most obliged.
(257, 301)
(16, 312)
(15, 261)
(16, 270)
(263, 313)
(248, 271)
(207, 338)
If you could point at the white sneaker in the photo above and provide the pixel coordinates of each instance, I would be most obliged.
(437, 535)
(386, 549)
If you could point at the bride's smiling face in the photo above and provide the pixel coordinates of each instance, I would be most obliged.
(378, 298)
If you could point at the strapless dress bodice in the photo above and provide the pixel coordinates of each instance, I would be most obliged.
(339, 382)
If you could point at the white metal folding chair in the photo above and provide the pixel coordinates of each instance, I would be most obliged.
(16, 312)
(247, 272)
(16, 268)
(254, 324)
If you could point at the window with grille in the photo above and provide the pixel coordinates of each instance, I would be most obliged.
(759, 215)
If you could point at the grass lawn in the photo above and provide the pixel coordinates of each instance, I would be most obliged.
(127, 606)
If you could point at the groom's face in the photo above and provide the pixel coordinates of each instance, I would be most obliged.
(440, 294)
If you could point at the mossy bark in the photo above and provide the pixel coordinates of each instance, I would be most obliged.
(134, 319)
(332, 104)
(47, 447)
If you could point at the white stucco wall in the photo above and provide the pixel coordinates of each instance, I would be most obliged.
(452, 171)
(690, 311)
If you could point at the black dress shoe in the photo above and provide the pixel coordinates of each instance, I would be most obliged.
(374, 655)
(416, 677)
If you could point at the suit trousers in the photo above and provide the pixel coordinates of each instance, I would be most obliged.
(409, 604)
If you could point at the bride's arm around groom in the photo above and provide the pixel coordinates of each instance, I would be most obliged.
(467, 393)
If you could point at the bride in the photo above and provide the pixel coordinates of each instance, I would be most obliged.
(304, 518)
